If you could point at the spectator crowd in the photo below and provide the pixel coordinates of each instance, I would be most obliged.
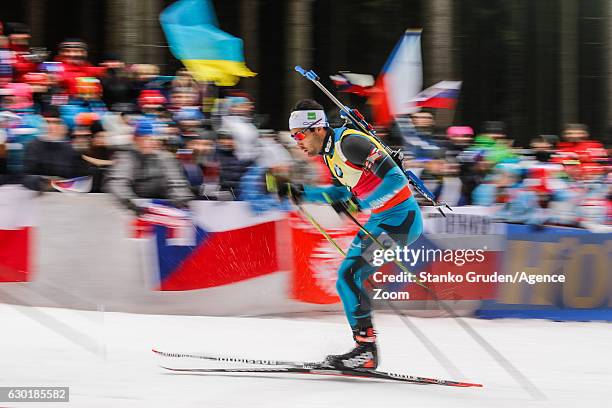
(560, 181)
(139, 134)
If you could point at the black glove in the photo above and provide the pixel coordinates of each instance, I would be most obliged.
(350, 206)
(284, 188)
(292, 191)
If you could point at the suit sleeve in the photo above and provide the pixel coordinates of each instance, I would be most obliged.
(327, 194)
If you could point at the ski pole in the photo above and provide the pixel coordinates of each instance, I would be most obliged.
(320, 229)
(422, 189)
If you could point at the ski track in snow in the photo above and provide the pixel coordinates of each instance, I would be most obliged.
(569, 362)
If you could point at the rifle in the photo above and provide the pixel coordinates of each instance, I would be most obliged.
(356, 118)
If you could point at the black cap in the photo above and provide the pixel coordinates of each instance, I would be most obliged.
(494, 126)
(51, 111)
(95, 127)
(111, 56)
(16, 28)
(73, 43)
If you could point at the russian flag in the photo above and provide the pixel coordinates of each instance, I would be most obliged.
(194, 37)
(399, 81)
(442, 95)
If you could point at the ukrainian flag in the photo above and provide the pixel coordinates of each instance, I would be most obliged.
(194, 37)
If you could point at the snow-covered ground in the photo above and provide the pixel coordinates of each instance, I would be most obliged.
(106, 361)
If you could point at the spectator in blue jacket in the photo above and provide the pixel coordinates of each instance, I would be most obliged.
(231, 169)
(88, 99)
(273, 159)
(22, 124)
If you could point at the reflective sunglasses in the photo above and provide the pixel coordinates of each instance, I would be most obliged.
(299, 135)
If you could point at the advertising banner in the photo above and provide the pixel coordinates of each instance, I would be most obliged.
(560, 274)
(457, 257)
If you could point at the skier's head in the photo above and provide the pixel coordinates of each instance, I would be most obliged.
(308, 126)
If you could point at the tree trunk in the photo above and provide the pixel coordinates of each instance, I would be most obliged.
(438, 61)
(299, 50)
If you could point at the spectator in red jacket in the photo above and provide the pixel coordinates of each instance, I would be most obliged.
(73, 56)
(19, 43)
(577, 145)
(7, 59)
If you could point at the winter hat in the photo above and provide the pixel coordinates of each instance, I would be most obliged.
(16, 28)
(494, 127)
(236, 100)
(189, 114)
(72, 43)
(144, 127)
(459, 131)
(86, 118)
(20, 90)
(151, 98)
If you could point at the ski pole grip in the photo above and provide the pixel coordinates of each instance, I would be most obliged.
(311, 75)
(300, 70)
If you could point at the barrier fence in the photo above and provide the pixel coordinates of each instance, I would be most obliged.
(84, 251)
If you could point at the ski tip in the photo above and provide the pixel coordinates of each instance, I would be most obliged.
(173, 369)
(469, 385)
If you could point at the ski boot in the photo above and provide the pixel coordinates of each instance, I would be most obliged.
(364, 355)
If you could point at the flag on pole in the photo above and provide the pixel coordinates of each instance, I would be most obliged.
(442, 95)
(400, 79)
(358, 84)
(194, 37)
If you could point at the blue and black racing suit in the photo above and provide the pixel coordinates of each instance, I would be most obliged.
(364, 170)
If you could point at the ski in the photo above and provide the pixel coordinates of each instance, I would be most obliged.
(355, 373)
(222, 359)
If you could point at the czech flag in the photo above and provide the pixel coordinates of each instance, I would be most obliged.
(358, 84)
(399, 81)
(74, 185)
(194, 37)
(442, 95)
(203, 249)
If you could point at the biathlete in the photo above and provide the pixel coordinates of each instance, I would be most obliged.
(365, 174)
